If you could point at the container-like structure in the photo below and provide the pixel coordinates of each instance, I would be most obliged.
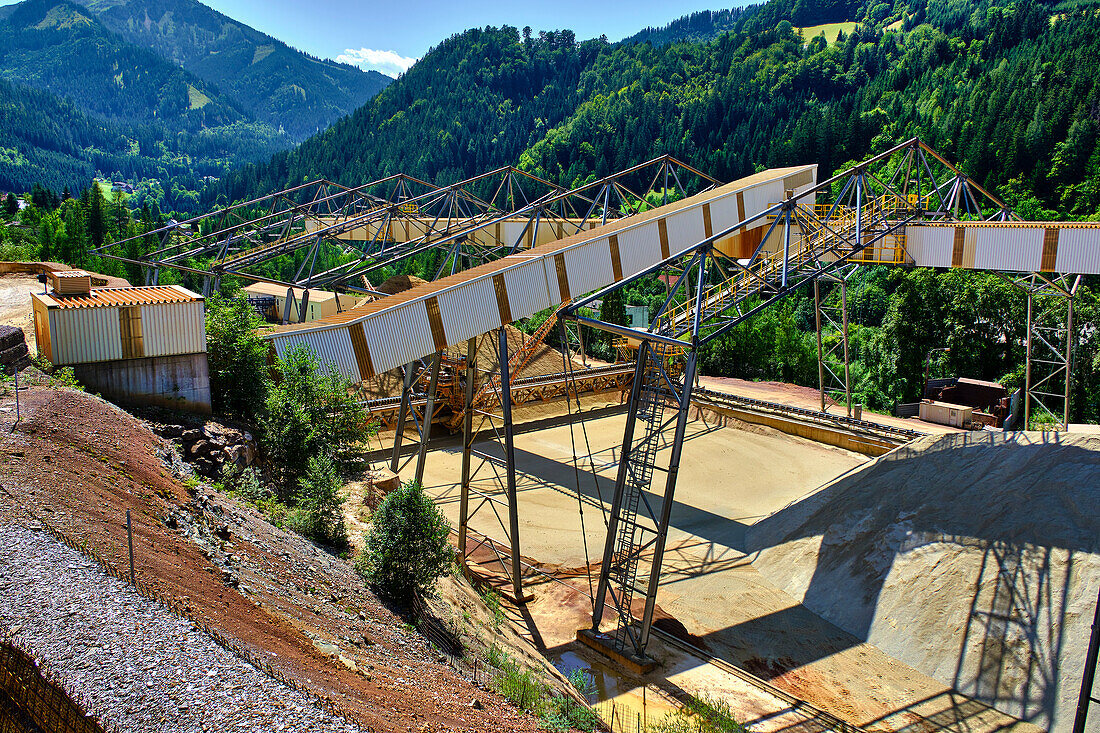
(141, 345)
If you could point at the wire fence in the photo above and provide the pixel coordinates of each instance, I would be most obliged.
(621, 718)
(36, 698)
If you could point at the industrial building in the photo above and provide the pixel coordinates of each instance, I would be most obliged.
(137, 345)
(313, 304)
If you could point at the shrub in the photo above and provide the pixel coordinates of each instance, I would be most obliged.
(318, 514)
(406, 550)
(238, 357)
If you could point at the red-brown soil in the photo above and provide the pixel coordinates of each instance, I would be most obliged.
(80, 463)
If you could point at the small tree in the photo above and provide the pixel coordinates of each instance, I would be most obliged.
(309, 412)
(318, 514)
(406, 550)
(238, 357)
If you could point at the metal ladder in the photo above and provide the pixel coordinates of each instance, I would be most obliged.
(633, 535)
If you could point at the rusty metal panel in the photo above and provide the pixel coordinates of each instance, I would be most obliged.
(84, 335)
(174, 329)
(398, 335)
(470, 310)
(1078, 251)
(588, 266)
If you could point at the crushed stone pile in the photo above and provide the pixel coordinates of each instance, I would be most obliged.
(138, 666)
(973, 557)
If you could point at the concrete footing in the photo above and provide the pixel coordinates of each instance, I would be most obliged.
(180, 382)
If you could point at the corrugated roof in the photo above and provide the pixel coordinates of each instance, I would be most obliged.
(422, 291)
(115, 297)
(71, 273)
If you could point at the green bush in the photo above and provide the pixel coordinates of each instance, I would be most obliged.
(406, 550)
(318, 514)
(238, 357)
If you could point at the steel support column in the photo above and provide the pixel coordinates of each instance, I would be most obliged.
(510, 465)
(620, 485)
(833, 321)
(667, 500)
(402, 415)
(426, 423)
(468, 437)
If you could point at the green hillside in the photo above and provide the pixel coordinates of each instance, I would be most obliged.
(270, 80)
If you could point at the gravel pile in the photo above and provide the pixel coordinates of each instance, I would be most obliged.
(137, 665)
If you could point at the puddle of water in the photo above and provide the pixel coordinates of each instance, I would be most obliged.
(608, 683)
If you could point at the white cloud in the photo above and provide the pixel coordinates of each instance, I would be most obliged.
(388, 62)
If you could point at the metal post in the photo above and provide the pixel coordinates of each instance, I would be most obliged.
(130, 542)
(17, 414)
(467, 446)
(820, 353)
(426, 423)
(620, 483)
(1088, 674)
(786, 244)
(1069, 360)
(1027, 367)
(510, 464)
(844, 319)
(402, 415)
(667, 501)
(303, 306)
(287, 304)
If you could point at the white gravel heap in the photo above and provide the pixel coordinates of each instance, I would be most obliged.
(134, 663)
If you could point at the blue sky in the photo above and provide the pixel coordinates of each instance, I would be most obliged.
(390, 35)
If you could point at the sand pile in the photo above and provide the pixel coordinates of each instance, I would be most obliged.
(397, 284)
(973, 557)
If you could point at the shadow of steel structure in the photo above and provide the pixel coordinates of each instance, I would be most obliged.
(859, 216)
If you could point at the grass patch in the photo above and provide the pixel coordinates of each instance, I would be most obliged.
(831, 30)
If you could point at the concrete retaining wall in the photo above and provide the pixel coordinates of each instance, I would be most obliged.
(179, 382)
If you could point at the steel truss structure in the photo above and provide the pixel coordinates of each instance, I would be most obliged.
(1048, 377)
(831, 320)
(807, 240)
(390, 220)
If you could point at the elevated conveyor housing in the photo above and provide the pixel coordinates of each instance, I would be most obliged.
(388, 333)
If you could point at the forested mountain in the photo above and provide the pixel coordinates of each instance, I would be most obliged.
(273, 82)
(57, 46)
(1008, 89)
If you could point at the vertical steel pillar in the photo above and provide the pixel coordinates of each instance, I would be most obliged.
(844, 336)
(1069, 360)
(820, 352)
(620, 484)
(667, 501)
(468, 438)
(426, 423)
(510, 465)
(402, 415)
(1027, 366)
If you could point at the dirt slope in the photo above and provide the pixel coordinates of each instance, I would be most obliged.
(973, 557)
(80, 463)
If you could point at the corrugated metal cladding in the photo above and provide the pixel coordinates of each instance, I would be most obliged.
(173, 329)
(528, 288)
(472, 303)
(589, 265)
(470, 311)
(399, 335)
(83, 335)
(1078, 251)
(930, 246)
(639, 248)
(332, 346)
(1009, 249)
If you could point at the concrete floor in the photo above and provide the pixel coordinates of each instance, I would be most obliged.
(728, 480)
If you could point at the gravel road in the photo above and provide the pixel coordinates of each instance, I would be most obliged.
(139, 666)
